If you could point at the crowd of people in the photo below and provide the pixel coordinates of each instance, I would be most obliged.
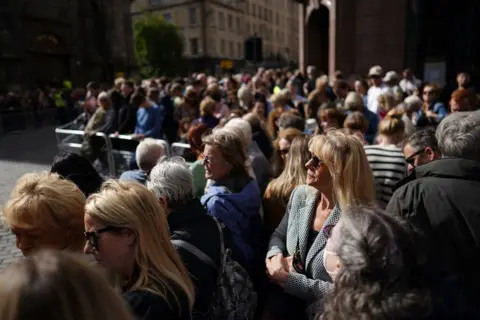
(301, 197)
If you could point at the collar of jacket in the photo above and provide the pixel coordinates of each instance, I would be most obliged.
(190, 211)
(447, 168)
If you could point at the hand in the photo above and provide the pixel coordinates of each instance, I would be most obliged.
(138, 136)
(275, 265)
(289, 261)
(431, 114)
(90, 133)
(280, 278)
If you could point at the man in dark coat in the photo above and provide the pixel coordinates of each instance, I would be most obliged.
(440, 200)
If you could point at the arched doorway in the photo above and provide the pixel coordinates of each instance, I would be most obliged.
(318, 38)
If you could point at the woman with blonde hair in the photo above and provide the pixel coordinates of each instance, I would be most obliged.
(278, 190)
(386, 158)
(279, 106)
(281, 147)
(45, 211)
(338, 176)
(53, 285)
(386, 102)
(207, 108)
(126, 231)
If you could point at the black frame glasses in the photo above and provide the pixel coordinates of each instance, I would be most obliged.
(316, 161)
(93, 237)
(411, 160)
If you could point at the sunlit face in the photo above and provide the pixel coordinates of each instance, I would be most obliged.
(462, 79)
(113, 248)
(126, 89)
(415, 157)
(259, 109)
(33, 239)
(216, 167)
(428, 94)
(318, 175)
(359, 87)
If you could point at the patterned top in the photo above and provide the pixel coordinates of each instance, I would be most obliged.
(293, 232)
(389, 167)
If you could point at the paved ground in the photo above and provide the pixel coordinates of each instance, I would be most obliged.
(20, 153)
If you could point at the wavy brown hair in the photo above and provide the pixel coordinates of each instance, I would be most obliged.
(380, 275)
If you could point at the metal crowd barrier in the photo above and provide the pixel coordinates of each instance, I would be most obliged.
(118, 150)
(123, 149)
(70, 139)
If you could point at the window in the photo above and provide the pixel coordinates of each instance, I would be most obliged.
(222, 47)
(192, 16)
(155, 2)
(168, 17)
(232, 50)
(247, 28)
(277, 19)
(194, 46)
(221, 20)
(239, 27)
(230, 22)
(254, 10)
(239, 49)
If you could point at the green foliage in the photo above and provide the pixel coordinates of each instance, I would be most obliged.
(158, 46)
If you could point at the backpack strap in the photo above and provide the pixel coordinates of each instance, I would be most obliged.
(195, 251)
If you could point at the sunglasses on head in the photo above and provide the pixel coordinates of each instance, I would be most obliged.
(93, 237)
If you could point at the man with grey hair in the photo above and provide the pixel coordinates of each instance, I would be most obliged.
(147, 154)
(440, 200)
(193, 232)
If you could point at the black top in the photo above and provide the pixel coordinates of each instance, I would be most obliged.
(192, 224)
(312, 235)
(148, 306)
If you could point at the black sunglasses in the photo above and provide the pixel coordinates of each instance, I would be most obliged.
(411, 160)
(316, 161)
(93, 237)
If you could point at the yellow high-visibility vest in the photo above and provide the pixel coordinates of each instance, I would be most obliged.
(59, 101)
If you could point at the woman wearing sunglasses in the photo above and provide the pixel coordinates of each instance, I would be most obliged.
(126, 231)
(338, 176)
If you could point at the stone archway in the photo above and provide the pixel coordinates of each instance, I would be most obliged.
(317, 32)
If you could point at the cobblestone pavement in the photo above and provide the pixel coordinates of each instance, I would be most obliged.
(21, 152)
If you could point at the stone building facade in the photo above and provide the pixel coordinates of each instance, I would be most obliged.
(54, 40)
(433, 37)
(216, 30)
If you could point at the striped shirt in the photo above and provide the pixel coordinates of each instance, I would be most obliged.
(388, 166)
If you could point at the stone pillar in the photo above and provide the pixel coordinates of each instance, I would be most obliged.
(301, 38)
(332, 45)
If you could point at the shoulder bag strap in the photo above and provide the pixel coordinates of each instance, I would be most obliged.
(195, 251)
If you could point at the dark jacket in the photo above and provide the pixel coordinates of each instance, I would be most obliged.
(127, 118)
(170, 125)
(441, 200)
(148, 306)
(192, 224)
